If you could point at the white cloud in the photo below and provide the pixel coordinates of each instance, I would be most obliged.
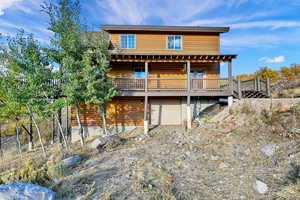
(4, 4)
(181, 12)
(278, 59)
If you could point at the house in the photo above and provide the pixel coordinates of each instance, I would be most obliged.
(165, 75)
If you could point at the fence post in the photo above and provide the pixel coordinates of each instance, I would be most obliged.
(239, 89)
(268, 87)
(258, 84)
(255, 84)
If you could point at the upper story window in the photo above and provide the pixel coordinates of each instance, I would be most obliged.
(128, 41)
(175, 42)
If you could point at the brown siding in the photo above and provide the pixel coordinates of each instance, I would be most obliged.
(168, 70)
(165, 70)
(120, 112)
(157, 43)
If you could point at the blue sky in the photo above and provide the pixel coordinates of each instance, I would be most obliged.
(263, 32)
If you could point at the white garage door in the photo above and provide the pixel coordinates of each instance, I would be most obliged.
(165, 112)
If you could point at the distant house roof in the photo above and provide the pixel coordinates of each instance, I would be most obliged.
(141, 28)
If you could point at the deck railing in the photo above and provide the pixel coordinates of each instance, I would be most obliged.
(256, 84)
(204, 85)
(173, 84)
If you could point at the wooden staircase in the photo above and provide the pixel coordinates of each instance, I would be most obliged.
(254, 88)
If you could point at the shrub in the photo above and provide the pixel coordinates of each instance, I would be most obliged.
(30, 172)
(293, 176)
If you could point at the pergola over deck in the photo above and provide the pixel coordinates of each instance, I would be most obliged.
(124, 57)
(188, 86)
(145, 87)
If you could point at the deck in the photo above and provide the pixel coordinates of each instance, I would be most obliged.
(218, 87)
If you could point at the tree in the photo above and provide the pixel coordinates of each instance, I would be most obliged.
(287, 73)
(25, 79)
(68, 50)
(100, 88)
(265, 73)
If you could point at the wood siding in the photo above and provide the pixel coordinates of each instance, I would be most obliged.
(164, 70)
(120, 112)
(157, 43)
(168, 70)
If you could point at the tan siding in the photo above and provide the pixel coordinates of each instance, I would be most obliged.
(165, 111)
(167, 70)
(157, 43)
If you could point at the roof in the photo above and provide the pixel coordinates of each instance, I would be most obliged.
(135, 57)
(141, 28)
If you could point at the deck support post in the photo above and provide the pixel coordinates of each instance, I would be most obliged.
(188, 78)
(230, 77)
(188, 105)
(189, 113)
(230, 101)
(146, 122)
(146, 76)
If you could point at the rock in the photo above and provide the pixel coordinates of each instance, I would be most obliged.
(215, 157)
(25, 191)
(260, 187)
(71, 161)
(105, 142)
(269, 149)
(224, 165)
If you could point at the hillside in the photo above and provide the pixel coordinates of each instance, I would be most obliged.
(220, 159)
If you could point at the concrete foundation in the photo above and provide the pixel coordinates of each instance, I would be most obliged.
(198, 105)
(146, 127)
(90, 131)
(196, 108)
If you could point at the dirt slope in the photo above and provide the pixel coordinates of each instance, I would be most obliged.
(219, 160)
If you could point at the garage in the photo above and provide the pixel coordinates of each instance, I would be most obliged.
(165, 112)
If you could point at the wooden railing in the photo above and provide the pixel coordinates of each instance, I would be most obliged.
(174, 84)
(255, 85)
(213, 86)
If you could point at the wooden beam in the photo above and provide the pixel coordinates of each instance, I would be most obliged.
(146, 76)
(189, 113)
(230, 76)
(188, 70)
(146, 122)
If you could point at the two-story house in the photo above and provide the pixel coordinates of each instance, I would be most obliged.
(165, 75)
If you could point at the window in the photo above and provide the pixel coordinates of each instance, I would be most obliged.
(139, 72)
(128, 41)
(197, 74)
(175, 42)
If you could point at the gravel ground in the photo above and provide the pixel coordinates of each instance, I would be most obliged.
(220, 159)
(214, 161)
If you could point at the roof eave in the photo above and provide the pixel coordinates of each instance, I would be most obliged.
(137, 28)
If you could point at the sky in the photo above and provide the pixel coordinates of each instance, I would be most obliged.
(262, 32)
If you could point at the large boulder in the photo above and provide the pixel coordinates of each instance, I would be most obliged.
(269, 149)
(71, 161)
(106, 142)
(25, 191)
(260, 187)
